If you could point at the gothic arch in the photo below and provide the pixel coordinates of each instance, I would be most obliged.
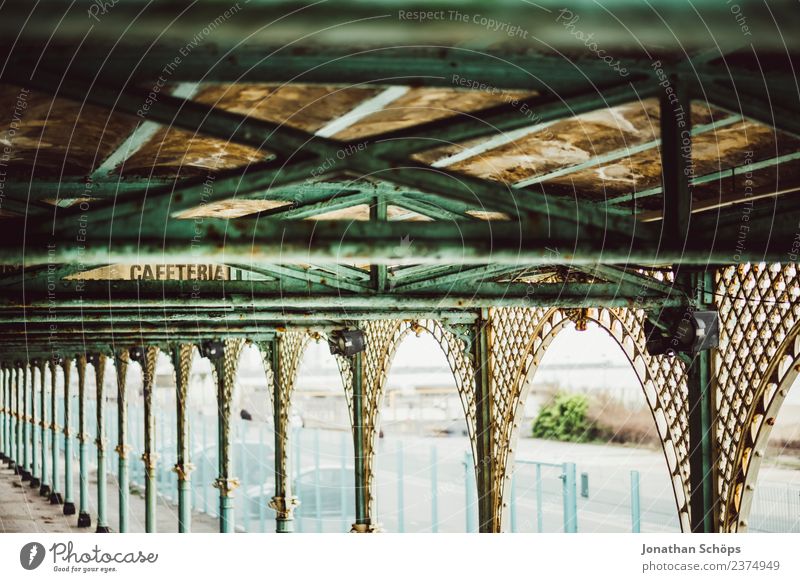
(383, 339)
(292, 346)
(662, 381)
(769, 397)
(759, 314)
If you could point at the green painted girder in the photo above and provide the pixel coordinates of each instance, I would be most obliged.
(69, 188)
(434, 207)
(472, 274)
(308, 276)
(199, 290)
(302, 200)
(125, 335)
(328, 205)
(712, 177)
(634, 280)
(68, 321)
(247, 63)
(364, 158)
(378, 274)
(295, 290)
(405, 275)
(534, 242)
(763, 220)
(758, 106)
(676, 165)
(506, 117)
(622, 153)
(337, 308)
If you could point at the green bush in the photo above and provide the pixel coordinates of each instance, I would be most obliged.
(564, 419)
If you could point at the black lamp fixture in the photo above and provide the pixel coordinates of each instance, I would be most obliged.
(685, 332)
(346, 342)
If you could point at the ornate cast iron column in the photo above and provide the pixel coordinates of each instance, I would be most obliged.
(182, 363)
(3, 413)
(35, 480)
(282, 354)
(16, 425)
(55, 488)
(224, 356)
(363, 523)
(84, 519)
(702, 458)
(26, 423)
(123, 447)
(69, 504)
(488, 496)
(6, 414)
(147, 358)
(44, 489)
(99, 362)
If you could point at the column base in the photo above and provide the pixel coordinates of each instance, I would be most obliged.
(56, 499)
(365, 528)
(102, 529)
(3, 458)
(69, 508)
(11, 464)
(35, 482)
(44, 490)
(26, 475)
(84, 519)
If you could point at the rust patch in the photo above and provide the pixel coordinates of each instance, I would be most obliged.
(420, 105)
(58, 136)
(232, 208)
(306, 107)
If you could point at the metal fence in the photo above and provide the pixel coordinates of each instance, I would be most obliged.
(422, 486)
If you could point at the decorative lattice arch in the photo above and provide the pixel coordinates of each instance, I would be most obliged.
(520, 339)
(292, 346)
(759, 315)
(383, 339)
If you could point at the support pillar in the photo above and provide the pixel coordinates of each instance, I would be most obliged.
(84, 519)
(703, 501)
(182, 363)
(55, 488)
(4, 412)
(26, 423)
(44, 488)
(99, 363)
(69, 502)
(147, 358)
(283, 502)
(17, 428)
(488, 497)
(224, 356)
(35, 458)
(363, 522)
(123, 447)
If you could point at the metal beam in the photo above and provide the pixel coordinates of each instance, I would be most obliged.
(362, 110)
(712, 177)
(676, 161)
(622, 153)
(759, 108)
(534, 242)
(141, 135)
